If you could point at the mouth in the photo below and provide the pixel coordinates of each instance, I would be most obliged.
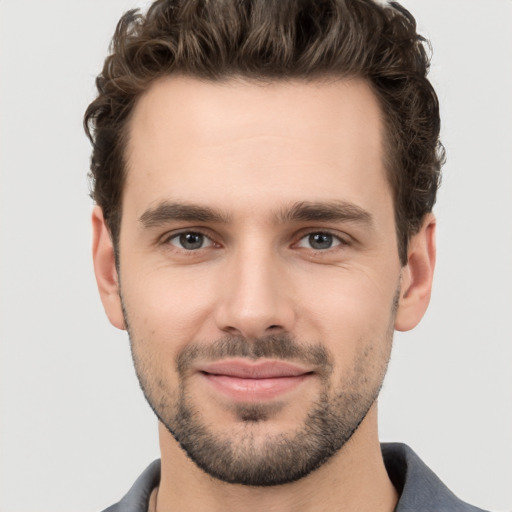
(246, 381)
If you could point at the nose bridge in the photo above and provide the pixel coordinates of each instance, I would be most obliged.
(254, 300)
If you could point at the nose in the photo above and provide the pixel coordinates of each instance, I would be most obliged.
(256, 296)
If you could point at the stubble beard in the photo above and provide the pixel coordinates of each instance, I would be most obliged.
(247, 454)
(251, 458)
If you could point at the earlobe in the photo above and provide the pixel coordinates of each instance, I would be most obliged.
(105, 269)
(417, 275)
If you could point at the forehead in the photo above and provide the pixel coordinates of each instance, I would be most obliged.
(195, 141)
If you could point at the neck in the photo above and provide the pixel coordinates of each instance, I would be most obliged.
(354, 479)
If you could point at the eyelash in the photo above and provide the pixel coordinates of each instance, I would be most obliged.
(337, 240)
(167, 239)
(341, 241)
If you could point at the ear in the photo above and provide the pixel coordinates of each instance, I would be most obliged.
(105, 269)
(416, 276)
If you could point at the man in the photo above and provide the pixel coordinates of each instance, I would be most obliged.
(264, 173)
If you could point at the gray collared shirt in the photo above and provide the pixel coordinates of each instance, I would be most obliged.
(419, 488)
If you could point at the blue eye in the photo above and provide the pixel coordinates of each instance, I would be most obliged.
(190, 241)
(319, 241)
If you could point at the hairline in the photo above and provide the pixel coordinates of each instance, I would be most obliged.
(389, 156)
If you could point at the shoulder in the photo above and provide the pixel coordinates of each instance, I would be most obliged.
(137, 498)
(420, 489)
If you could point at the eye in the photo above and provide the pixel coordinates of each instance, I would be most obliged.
(320, 241)
(190, 241)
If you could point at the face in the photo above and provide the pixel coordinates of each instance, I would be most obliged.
(259, 270)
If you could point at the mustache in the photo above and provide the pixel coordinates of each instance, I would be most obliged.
(276, 346)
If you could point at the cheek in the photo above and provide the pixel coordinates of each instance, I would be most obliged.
(164, 313)
(347, 308)
(167, 305)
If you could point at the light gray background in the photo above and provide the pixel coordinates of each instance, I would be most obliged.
(74, 428)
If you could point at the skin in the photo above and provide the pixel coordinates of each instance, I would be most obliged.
(250, 152)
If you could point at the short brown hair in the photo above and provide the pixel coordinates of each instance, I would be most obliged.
(273, 40)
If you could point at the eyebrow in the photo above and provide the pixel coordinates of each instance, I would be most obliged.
(171, 211)
(303, 211)
(338, 211)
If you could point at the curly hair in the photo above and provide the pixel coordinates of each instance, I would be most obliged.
(273, 40)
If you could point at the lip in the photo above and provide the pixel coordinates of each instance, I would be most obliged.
(247, 381)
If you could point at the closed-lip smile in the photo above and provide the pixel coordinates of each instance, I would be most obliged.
(250, 381)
